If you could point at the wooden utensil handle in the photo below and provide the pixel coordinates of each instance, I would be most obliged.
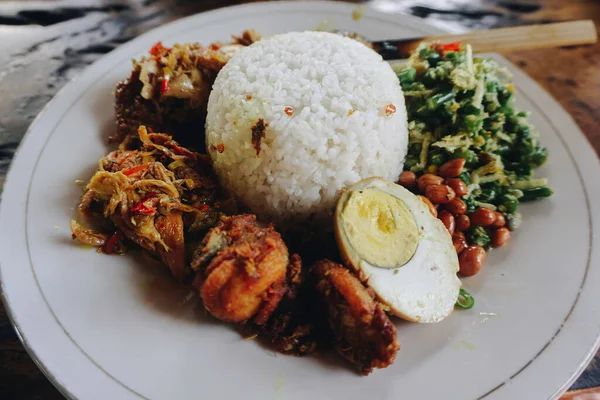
(526, 37)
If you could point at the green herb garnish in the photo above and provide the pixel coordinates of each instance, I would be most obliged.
(465, 300)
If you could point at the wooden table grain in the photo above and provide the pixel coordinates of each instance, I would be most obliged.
(571, 75)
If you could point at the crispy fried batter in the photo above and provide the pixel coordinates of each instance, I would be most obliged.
(297, 326)
(245, 278)
(286, 287)
(364, 334)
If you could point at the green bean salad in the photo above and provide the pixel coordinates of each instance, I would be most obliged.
(461, 107)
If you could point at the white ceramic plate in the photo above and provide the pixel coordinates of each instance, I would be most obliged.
(108, 327)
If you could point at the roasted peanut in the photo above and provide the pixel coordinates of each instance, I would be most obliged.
(456, 206)
(408, 179)
(452, 168)
(471, 260)
(459, 187)
(428, 179)
(500, 220)
(459, 241)
(483, 217)
(439, 194)
(431, 207)
(448, 220)
(463, 222)
(500, 237)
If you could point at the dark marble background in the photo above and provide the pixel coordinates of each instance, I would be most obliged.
(44, 44)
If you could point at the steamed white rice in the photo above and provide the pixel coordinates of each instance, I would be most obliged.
(337, 91)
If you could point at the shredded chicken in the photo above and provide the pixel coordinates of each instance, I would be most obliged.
(168, 89)
(87, 236)
(154, 206)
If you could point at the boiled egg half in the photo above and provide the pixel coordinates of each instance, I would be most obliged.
(405, 254)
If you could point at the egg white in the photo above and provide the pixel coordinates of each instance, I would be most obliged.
(424, 289)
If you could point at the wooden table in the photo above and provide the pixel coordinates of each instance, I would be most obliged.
(571, 75)
(60, 38)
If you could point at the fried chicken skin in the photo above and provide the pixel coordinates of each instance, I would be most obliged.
(363, 333)
(241, 270)
(295, 326)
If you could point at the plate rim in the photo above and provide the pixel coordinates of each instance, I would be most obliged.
(338, 6)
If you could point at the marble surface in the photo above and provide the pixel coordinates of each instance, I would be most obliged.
(44, 44)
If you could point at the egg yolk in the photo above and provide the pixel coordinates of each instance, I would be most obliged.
(380, 227)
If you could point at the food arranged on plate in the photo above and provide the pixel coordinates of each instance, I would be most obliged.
(310, 193)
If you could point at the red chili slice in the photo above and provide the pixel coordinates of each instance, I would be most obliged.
(135, 170)
(143, 207)
(454, 46)
(164, 85)
(390, 109)
(127, 157)
(182, 151)
(109, 248)
(158, 46)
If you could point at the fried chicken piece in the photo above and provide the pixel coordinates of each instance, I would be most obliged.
(296, 326)
(363, 333)
(286, 288)
(241, 269)
(170, 228)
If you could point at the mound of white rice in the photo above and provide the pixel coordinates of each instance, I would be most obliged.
(333, 113)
